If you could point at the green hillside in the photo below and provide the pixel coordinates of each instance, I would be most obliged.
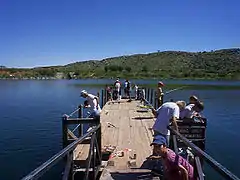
(220, 64)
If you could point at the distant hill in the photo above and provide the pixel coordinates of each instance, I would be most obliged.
(219, 64)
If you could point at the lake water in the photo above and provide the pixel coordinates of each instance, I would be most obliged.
(30, 115)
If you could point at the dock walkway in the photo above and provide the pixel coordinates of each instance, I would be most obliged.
(125, 129)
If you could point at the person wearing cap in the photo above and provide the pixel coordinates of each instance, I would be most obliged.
(175, 166)
(192, 109)
(166, 114)
(93, 103)
(159, 93)
(193, 99)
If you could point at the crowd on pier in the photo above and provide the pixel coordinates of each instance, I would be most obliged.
(166, 113)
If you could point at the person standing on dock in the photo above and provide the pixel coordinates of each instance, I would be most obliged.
(166, 114)
(93, 103)
(175, 166)
(136, 91)
(126, 83)
(160, 93)
(117, 86)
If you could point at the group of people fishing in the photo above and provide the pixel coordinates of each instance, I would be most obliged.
(176, 167)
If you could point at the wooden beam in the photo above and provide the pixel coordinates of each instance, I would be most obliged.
(70, 134)
(68, 167)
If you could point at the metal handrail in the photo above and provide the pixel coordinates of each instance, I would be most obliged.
(216, 165)
(38, 172)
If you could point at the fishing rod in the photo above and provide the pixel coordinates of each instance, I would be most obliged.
(172, 90)
(150, 106)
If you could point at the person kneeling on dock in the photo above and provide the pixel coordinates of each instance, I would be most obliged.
(166, 114)
(175, 166)
(93, 104)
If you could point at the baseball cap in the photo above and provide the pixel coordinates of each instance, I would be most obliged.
(159, 140)
(160, 83)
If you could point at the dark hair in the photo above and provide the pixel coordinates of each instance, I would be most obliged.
(199, 105)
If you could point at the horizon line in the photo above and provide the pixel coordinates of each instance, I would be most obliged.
(107, 57)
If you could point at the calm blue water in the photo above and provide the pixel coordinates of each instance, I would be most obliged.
(30, 115)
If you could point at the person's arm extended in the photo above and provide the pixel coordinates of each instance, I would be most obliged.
(174, 123)
(154, 111)
(184, 172)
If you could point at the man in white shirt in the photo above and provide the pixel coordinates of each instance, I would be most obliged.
(93, 103)
(166, 114)
(117, 85)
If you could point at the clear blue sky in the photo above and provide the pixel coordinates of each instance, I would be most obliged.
(56, 32)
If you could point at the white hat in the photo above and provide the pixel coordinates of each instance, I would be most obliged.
(84, 92)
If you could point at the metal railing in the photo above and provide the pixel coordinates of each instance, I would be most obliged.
(70, 142)
(203, 155)
(67, 151)
(199, 154)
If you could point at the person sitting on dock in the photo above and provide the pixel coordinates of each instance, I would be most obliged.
(175, 166)
(93, 103)
(166, 114)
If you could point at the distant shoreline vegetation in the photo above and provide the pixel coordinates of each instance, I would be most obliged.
(172, 86)
(219, 65)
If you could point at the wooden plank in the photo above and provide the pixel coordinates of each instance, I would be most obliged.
(130, 134)
(68, 167)
(129, 131)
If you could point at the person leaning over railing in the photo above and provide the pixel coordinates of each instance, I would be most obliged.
(175, 166)
(166, 114)
(92, 103)
(192, 109)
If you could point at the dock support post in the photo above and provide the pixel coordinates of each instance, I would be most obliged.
(80, 115)
(155, 99)
(99, 142)
(64, 131)
(148, 94)
(151, 97)
(102, 98)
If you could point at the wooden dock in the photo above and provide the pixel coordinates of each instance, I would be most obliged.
(126, 132)
(118, 145)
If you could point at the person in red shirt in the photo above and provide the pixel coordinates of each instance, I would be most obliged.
(175, 166)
